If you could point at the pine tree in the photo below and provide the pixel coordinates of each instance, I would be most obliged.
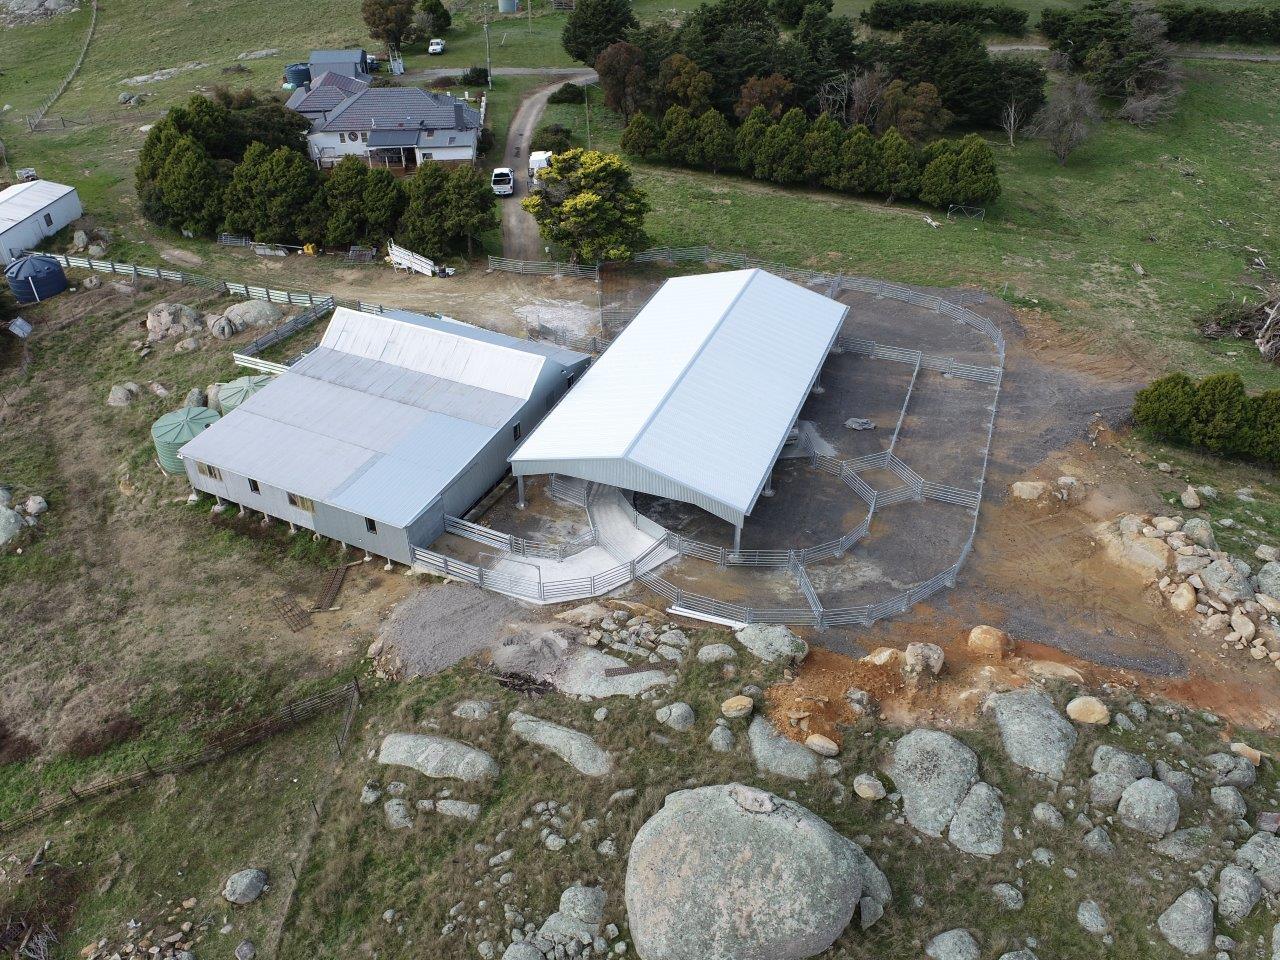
(900, 166)
(190, 189)
(642, 138)
(860, 170)
(714, 147)
(781, 156)
(384, 202)
(344, 200)
(822, 146)
(594, 25)
(422, 227)
(977, 181)
(275, 197)
(750, 136)
(470, 205)
(938, 183)
(678, 131)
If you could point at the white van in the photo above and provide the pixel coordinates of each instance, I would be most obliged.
(503, 181)
(538, 159)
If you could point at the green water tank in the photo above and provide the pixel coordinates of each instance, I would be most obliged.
(231, 395)
(172, 430)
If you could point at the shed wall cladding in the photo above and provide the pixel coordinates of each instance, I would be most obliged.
(329, 521)
(30, 232)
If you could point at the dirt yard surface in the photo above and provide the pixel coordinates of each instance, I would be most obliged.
(433, 628)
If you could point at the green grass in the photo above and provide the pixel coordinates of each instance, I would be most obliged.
(1180, 200)
(514, 41)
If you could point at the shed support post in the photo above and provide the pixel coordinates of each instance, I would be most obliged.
(737, 538)
(520, 492)
(768, 486)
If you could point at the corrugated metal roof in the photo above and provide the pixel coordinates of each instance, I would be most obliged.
(382, 417)
(451, 351)
(699, 391)
(20, 201)
(401, 107)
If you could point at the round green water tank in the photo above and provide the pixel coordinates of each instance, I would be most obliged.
(174, 429)
(232, 394)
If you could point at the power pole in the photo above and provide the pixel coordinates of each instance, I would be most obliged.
(529, 4)
(587, 103)
(488, 58)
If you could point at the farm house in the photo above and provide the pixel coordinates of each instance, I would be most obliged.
(393, 422)
(32, 211)
(696, 398)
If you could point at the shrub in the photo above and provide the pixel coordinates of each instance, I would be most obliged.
(1216, 414)
(568, 93)
(1221, 421)
(474, 77)
(554, 137)
(1166, 406)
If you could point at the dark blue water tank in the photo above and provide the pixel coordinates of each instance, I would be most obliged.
(297, 74)
(35, 278)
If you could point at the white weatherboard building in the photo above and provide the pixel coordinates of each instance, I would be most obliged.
(696, 398)
(392, 423)
(30, 212)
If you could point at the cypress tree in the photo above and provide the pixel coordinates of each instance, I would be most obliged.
(750, 135)
(822, 146)
(900, 166)
(714, 147)
(860, 170)
(678, 131)
(642, 138)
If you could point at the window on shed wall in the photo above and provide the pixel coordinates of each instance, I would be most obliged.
(253, 486)
(516, 431)
(208, 470)
(302, 503)
(48, 220)
(370, 524)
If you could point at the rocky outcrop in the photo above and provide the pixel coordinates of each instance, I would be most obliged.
(572, 746)
(775, 754)
(727, 872)
(1188, 924)
(978, 826)
(439, 757)
(771, 642)
(245, 886)
(1034, 734)
(934, 772)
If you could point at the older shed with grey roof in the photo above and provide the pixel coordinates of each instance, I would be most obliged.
(393, 422)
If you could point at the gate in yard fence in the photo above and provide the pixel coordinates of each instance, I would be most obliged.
(545, 267)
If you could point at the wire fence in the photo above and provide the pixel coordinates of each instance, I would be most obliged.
(33, 121)
(284, 718)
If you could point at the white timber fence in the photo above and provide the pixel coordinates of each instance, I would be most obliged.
(403, 259)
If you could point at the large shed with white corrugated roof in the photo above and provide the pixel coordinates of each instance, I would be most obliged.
(696, 398)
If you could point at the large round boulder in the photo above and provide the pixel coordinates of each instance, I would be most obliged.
(731, 872)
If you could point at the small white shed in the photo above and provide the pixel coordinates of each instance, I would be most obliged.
(29, 212)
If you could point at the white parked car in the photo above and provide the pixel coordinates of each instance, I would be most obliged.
(435, 46)
(538, 161)
(503, 181)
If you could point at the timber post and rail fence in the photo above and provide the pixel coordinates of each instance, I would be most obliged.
(283, 718)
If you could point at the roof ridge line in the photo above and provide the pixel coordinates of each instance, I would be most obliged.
(684, 371)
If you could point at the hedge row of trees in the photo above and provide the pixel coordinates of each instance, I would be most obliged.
(194, 176)
(1187, 23)
(735, 54)
(899, 14)
(795, 150)
(1216, 414)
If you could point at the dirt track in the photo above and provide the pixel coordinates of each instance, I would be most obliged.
(520, 239)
